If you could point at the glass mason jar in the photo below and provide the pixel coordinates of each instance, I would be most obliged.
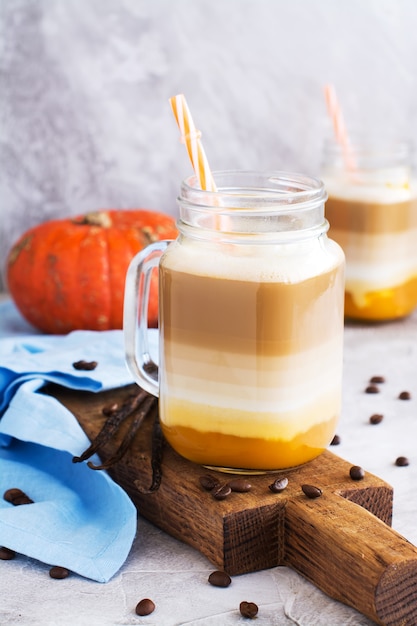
(372, 211)
(251, 323)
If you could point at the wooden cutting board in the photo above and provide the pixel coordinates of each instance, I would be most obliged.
(340, 541)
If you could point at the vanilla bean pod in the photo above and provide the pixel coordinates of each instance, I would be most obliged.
(111, 425)
(158, 443)
(129, 436)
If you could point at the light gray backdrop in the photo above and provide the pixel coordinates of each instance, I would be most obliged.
(84, 86)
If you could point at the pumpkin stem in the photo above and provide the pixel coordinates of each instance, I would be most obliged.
(94, 218)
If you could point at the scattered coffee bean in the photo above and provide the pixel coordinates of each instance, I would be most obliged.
(356, 472)
(405, 395)
(16, 497)
(12, 493)
(311, 491)
(110, 409)
(335, 441)
(220, 492)
(58, 572)
(208, 482)
(377, 379)
(279, 485)
(402, 461)
(248, 609)
(145, 607)
(219, 579)
(6, 554)
(376, 418)
(372, 389)
(85, 365)
(240, 485)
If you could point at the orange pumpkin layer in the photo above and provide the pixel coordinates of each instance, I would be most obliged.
(69, 274)
(384, 304)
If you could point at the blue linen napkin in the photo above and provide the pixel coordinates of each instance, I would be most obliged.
(80, 518)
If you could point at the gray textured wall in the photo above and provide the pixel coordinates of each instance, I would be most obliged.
(84, 85)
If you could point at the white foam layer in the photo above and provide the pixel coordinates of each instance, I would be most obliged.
(272, 389)
(378, 261)
(284, 426)
(288, 263)
(387, 187)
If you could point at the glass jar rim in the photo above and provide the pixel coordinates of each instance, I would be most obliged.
(261, 205)
(255, 190)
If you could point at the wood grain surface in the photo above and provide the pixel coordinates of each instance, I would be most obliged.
(341, 541)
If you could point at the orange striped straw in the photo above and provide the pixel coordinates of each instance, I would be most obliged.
(190, 136)
(339, 127)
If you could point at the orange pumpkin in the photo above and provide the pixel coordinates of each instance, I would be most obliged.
(69, 274)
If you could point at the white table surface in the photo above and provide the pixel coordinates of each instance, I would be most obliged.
(175, 576)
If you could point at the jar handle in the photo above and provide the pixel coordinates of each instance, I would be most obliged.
(135, 316)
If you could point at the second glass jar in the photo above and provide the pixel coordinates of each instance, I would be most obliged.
(372, 211)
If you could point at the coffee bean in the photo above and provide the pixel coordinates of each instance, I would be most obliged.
(151, 369)
(85, 365)
(145, 607)
(16, 497)
(240, 485)
(219, 579)
(248, 609)
(402, 461)
(356, 472)
(279, 485)
(220, 492)
(208, 482)
(372, 389)
(311, 491)
(377, 379)
(335, 441)
(405, 395)
(10, 494)
(6, 554)
(376, 418)
(58, 572)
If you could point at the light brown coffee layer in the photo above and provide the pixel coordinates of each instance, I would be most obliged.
(250, 317)
(371, 217)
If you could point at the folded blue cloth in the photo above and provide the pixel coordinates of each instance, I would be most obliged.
(80, 518)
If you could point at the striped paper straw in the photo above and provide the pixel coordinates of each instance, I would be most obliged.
(190, 136)
(339, 128)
